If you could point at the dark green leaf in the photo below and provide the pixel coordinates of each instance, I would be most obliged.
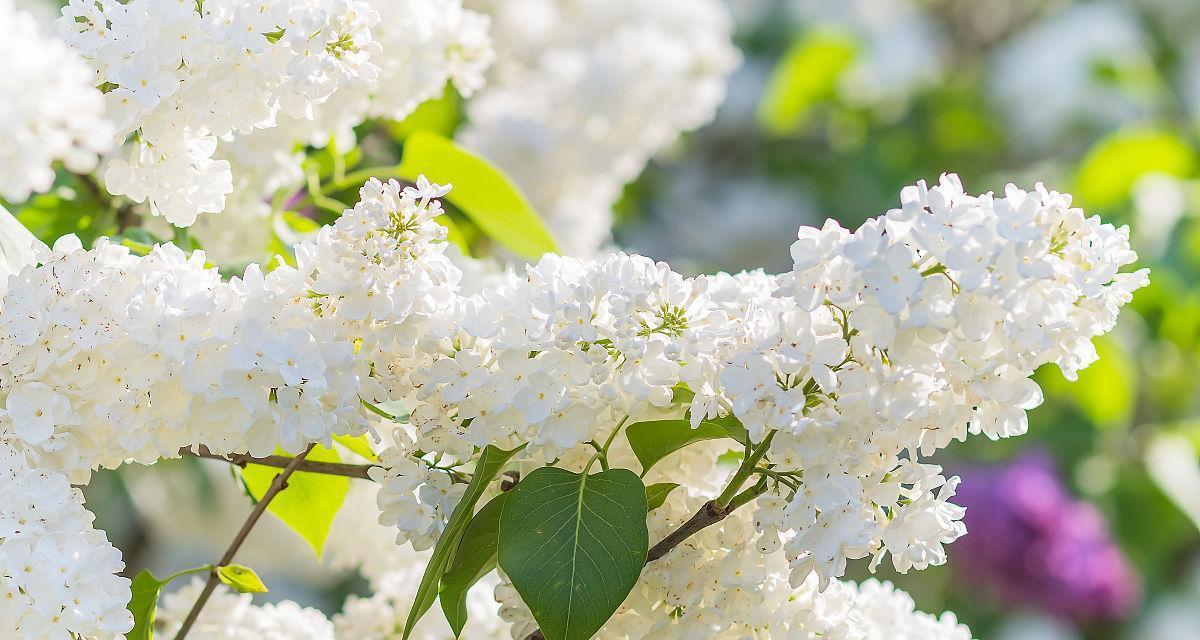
(241, 578)
(481, 191)
(309, 503)
(574, 546)
(475, 558)
(491, 462)
(654, 440)
(656, 494)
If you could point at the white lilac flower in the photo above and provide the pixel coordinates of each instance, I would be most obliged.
(177, 76)
(58, 575)
(882, 345)
(50, 110)
(106, 356)
(585, 92)
(232, 616)
(422, 45)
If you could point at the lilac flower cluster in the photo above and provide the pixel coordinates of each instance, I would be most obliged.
(1033, 544)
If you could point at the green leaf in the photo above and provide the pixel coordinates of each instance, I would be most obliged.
(144, 604)
(574, 546)
(360, 445)
(656, 439)
(656, 494)
(241, 578)
(808, 74)
(309, 503)
(491, 462)
(481, 191)
(1110, 169)
(475, 558)
(441, 116)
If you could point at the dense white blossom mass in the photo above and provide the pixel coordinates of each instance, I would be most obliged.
(881, 346)
(50, 110)
(57, 573)
(178, 76)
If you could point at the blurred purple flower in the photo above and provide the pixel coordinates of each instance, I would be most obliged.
(1032, 544)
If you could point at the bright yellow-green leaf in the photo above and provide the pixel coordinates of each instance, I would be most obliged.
(360, 445)
(481, 191)
(808, 74)
(241, 578)
(441, 116)
(309, 503)
(1111, 167)
(143, 605)
(1105, 391)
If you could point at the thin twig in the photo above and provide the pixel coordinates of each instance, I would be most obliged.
(359, 471)
(277, 485)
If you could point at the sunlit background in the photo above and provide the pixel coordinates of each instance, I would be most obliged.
(1084, 528)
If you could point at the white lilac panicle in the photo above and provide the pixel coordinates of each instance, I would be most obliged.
(882, 346)
(712, 587)
(179, 75)
(585, 92)
(50, 110)
(106, 356)
(232, 616)
(423, 45)
(58, 575)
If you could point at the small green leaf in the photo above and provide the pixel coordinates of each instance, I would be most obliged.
(475, 558)
(574, 546)
(360, 445)
(808, 74)
(309, 503)
(143, 605)
(491, 462)
(656, 439)
(481, 191)
(656, 494)
(241, 578)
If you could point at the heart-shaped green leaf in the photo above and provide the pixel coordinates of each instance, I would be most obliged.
(573, 546)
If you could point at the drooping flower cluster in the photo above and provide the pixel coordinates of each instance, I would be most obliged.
(179, 75)
(423, 45)
(585, 92)
(57, 573)
(106, 356)
(1033, 544)
(49, 109)
(882, 346)
(715, 586)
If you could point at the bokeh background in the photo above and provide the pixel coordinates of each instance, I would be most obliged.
(1087, 527)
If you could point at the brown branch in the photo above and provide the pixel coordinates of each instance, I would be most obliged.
(708, 515)
(277, 485)
(310, 466)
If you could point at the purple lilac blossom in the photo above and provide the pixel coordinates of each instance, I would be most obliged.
(1032, 544)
